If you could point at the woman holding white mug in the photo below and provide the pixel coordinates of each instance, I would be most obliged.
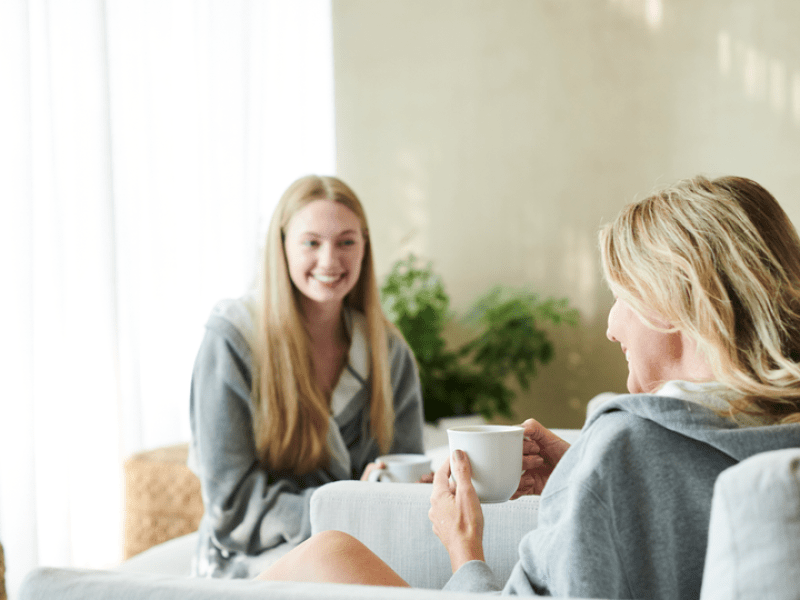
(301, 382)
(706, 279)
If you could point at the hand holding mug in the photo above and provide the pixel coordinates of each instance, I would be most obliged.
(373, 466)
(541, 451)
(455, 512)
(399, 468)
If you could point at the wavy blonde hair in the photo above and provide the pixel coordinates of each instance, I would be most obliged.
(291, 410)
(720, 260)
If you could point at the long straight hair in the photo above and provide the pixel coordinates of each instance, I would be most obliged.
(720, 260)
(291, 410)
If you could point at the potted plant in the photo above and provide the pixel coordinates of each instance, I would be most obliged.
(506, 340)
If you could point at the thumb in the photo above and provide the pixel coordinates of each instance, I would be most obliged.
(461, 468)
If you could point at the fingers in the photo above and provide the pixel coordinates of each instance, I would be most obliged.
(523, 490)
(462, 474)
(441, 494)
(534, 431)
(530, 447)
(527, 481)
(441, 479)
(533, 461)
(459, 467)
(538, 433)
(462, 470)
(550, 445)
(372, 467)
(531, 482)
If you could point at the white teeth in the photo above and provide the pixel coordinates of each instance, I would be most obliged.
(627, 357)
(326, 278)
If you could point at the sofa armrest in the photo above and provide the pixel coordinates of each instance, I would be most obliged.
(47, 583)
(754, 535)
(392, 520)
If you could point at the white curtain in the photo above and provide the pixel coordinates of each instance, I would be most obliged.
(143, 144)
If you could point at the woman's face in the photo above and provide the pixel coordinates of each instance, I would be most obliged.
(324, 247)
(653, 357)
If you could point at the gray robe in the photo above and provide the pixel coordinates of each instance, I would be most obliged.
(625, 514)
(254, 515)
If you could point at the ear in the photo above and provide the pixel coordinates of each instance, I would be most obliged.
(693, 359)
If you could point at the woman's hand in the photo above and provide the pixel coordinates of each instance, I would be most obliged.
(378, 464)
(427, 478)
(456, 512)
(541, 451)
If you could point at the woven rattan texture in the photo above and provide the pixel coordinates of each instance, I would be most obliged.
(162, 498)
(2, 574)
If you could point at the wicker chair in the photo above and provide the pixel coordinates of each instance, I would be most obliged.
(162, 498)
(2, 575)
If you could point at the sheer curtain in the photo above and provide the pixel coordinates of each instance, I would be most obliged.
(143, 144)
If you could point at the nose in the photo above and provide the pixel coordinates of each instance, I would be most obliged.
(327, 255)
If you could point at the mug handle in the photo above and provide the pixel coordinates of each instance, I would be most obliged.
(377, 474)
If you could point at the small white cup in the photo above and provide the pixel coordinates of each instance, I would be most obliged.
(402, 468)
(495, 455)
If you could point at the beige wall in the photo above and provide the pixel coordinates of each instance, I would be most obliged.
(495, 136)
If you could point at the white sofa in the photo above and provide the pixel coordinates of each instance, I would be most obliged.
(753, 552)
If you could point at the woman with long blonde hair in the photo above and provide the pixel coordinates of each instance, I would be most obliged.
(301, 382)
(706, 279)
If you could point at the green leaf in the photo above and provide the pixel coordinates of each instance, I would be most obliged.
(508, 341)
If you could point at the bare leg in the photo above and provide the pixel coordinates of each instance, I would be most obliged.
(333, 557)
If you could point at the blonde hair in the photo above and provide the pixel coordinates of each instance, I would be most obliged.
(720, 260)
(291, 410)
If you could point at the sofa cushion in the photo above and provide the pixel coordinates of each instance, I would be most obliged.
(173, 557)
(77, 584)
(391, 519)
(754, 534)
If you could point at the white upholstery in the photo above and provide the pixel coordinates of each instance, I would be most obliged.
(77, 584)
(173, 557)
(754, 535)
(753, 550)
(391, 519)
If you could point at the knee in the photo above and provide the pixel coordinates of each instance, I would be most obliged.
(312, 559)
(326, 556)
(332, 541)
(333, 549)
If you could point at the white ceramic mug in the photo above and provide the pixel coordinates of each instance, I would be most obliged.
(495, 455)
(402, 468)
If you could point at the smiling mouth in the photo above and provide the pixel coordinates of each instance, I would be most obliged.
(327, 278)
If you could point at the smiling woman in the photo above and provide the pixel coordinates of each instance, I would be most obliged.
(645, 459)
(301, 382)
(324, 249)
(655, 350)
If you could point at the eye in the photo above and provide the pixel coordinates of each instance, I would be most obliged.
(347, 242)
(310, 243)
